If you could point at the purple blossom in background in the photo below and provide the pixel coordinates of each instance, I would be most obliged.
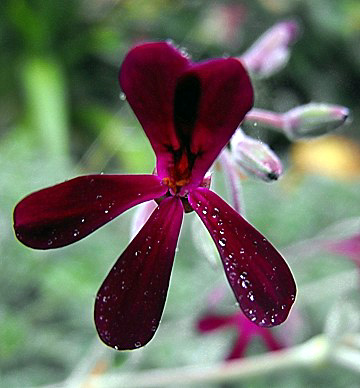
(349, 247)
(189, 111)
(245, 332)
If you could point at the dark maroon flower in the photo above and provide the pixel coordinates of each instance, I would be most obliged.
(245, 331)
(189, 111)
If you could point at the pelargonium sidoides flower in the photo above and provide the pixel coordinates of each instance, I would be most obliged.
(245, 331)
(189, 111)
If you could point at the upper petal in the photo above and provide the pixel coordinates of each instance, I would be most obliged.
(259, 276)
(148, 77)
(69, 211)
(130, 302)
(188, 111)
(225, 95)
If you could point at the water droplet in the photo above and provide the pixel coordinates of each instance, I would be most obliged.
(116, 347)
(184, 52)
(242, 250)
(146, 293)
(222, 242)
(122, 96)
(76, 232)
(106, 211)
(262, 322)
(99, 196)
(153, 328)
(245, 283)
(82, 220)
(251, 296)
(137, 344)
(255, 124)
(221, 231)
(50, 242)
(255, 242)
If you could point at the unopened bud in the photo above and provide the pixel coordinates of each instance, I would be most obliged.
(313, 119)
(255, 158)
(271, 52)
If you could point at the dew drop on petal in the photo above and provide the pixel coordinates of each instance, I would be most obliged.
(137, 344)
(222, 242)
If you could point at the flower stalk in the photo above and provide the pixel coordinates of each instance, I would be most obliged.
(312, 354)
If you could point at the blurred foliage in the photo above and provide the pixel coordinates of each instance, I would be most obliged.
(61, 115)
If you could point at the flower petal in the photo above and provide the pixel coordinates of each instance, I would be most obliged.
(239, 347)
(211, 322)
(148, 77)
(130, 302)
(69, 211)
(257, 273)
(225, 95)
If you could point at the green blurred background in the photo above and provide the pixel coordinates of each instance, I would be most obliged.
(61, 115)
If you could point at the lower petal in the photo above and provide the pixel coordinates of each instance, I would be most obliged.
(258, 274)
(67, 212)
(131, 300)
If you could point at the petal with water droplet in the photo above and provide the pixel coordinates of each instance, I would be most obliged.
(148, 76)
(136, 287)
(251, 263)
(67, 212)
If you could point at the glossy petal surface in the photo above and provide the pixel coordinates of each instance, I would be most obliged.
(67, 212)
(257, 273)
(148, 77)
(225, 96)
(188, 111)
(130, 302)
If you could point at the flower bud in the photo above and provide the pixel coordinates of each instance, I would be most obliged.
(270, 53)
(254, 157)
(313, 119)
